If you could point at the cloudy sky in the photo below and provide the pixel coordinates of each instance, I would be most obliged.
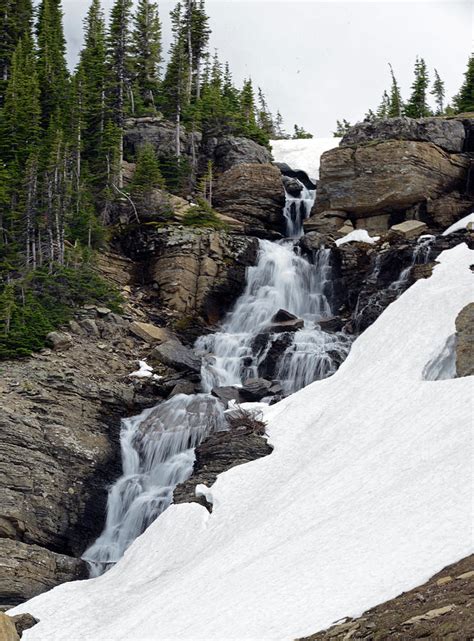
(322, 61)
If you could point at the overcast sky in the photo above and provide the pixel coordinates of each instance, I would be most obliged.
(322, 61)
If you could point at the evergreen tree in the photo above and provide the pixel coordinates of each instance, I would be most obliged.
(15, 23)
(464, 101)
(147, 177)
(342, 127)
(280, 133)
(417, 106)
(196, 34)
(395, 109)
(264, 117)
(52, 70)
(147, 53)
(370, 116)
(439, 93)
(119, 64)
(384, 108)
(301, 133)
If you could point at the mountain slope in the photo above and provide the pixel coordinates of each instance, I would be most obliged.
(367, 494)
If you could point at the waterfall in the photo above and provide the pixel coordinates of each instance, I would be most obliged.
(158, 446)
(297, 209)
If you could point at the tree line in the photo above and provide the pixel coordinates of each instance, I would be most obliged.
(392, 104)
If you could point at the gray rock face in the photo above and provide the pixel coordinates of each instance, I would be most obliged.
(252, 193)
(465, 341)
(159, 133)
(59, 428)
(254, 389)
(176, 355)
(196, 271)
(292, 186)
(283, 321)
(228, 151)
(447, 134)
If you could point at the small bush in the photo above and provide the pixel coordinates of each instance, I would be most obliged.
(250, 422)
(202, 215)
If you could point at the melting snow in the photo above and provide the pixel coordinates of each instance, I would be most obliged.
(357, 236)
(303, 154)
(461, 224)
(145, 371)
(367, 494)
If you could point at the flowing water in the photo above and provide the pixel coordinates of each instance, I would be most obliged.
(158, 446)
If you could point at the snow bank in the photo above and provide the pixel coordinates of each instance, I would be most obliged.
(144, 371)
(461, 224)
(367, 494)
(357, 236)
(303, 154)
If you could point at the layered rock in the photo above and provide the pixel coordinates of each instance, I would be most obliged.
(386, 177)
(196, 272)
(161, 134)
(450, 135)
(252, 193)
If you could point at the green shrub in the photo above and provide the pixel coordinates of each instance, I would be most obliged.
(202, 215)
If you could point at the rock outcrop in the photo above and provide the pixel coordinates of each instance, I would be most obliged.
(465, 342)
(386, 178)
(161, 134)
(228, 151)
(59, 428)
(254, 194)
(196, 272)
(450, 135)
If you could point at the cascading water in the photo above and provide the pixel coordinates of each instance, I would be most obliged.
(158, 446)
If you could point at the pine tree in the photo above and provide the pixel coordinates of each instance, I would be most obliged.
(439, 93)
(264, 117)
(384, 108)
(147, 53)
(196, 34)
(342, 127)
(280, 133)
(15, 24)
(93, 70)
(464, 101)
(301, 133)
(52, 70)
(417, 106)
(147, 177)
(119, 65)
(396, 103)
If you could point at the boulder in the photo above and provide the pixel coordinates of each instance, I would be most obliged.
(313, 240)
(254, 389)
(292, 186)
(465, 341)
(374, 225)
(447, 134)
(151, 333)
(226, 394)
(197, 272)
(228, 151)
(331, 325)
(409, 229)
(386, 177)
(59, 340)
(89, 326)
(283, 321)
(252, 193)
(176, 355)
(24, 622)
(7, 628)
(299, 174)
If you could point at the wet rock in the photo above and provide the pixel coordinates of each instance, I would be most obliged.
(325, 222)
(386, 177)
(331, 325)
(59, 340)
(226, 394)
(447, 134)
(313, 240)
(184, 387)
(254, 389)
(283, 321)
(292, 186)
(299, 174)
(151, 333)
(409, 229)
(465, 341)
(273, 346)
(252, 193)
(176, 355)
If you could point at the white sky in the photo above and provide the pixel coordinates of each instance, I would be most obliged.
(322, 61)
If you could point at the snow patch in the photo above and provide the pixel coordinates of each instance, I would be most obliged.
(461, 224)
(357, 236)
(367, 494)
(145, 371)
(303, 154)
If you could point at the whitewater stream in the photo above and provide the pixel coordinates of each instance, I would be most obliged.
(158, 445)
